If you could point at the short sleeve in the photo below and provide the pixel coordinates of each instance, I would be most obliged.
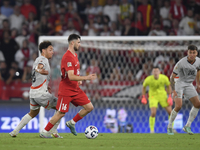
(146, 82)
(68, 63)
(43, 61)
(177, 68)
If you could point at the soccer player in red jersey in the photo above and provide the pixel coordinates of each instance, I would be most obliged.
(69, 90)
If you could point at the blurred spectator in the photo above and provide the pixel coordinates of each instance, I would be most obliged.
(143, 73)
(110, 120)
(1, 57)
(23, 55)
(5, 27)
(27, 73)
(12, 74)
(95, 9)
(105, 31)
(164, 13)
(114, 29)
(169, 67)
(24, 35)
(112, 10)
(27, 7)
(93, 69)
(81, 6)
(14, 33)
(16, 19)
(160, 58)
(157, 30)
(50, 3)
(147, 13)
(175, 27)
(32, 22)
(116, 74)
(51, 16)
(188, 24)
(44, 27)
(8, 47)
(91, 27)
(70, 29)
(138, 24)
(60, 24)
(4, 72)
(6, 9)
(127, 30)
(73, 15)
(2, 17)
(192, 5)
(177, 10)
(126, 10)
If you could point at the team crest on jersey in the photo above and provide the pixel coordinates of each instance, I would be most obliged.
(69, 64)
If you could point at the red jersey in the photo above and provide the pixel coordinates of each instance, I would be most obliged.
(69, 62)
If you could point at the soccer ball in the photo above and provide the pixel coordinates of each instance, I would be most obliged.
(91, 132)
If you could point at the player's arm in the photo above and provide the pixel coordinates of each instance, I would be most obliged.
(172, 82)
(41, 70)
(168, 89)
(74, 77)
(197, 81)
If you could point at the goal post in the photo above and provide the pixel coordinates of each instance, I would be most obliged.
(121, 61)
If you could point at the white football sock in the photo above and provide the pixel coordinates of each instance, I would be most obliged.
(23, 122)
(193, 113)
(172, 118)
(73, 122)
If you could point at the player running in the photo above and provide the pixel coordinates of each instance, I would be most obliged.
(187, 69)
(157, 94)
(69, 90)
(40, 92)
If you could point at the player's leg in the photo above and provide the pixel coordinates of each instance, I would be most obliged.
(193, 113)
(62, 107)
(153, 104)
(169, 110)
(34, 110)
(80, 100)
(152, 119)
(174, 112)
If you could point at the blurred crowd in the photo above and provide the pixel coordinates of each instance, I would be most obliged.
(23, 21)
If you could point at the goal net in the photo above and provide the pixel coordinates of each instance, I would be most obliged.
(121, 64)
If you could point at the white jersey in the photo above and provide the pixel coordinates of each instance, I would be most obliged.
(40, 82)
(186, 71)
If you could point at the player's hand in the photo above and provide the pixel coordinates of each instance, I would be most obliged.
(169, 100)
(79, 83)
(174, 95)
(198, 88)
(91, 77)
(144, 100)
(49, 89)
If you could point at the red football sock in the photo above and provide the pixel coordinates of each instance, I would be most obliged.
(77, 117)
(49, 126)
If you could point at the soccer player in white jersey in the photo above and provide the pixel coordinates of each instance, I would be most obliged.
(40, 92)
(188, 68)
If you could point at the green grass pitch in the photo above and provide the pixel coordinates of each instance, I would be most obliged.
(106, 141)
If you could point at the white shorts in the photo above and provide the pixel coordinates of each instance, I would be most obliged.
(186, 89)
(47, 101)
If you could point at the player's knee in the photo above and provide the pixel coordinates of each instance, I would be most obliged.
(90, 108)
(153, 114)
(178, 107)
(197, 105)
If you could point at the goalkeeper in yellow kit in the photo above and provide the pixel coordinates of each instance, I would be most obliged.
(157, 94)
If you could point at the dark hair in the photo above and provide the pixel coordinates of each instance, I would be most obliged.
(73, 37)
(156, 67)
(44, 45)
(192, 47)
